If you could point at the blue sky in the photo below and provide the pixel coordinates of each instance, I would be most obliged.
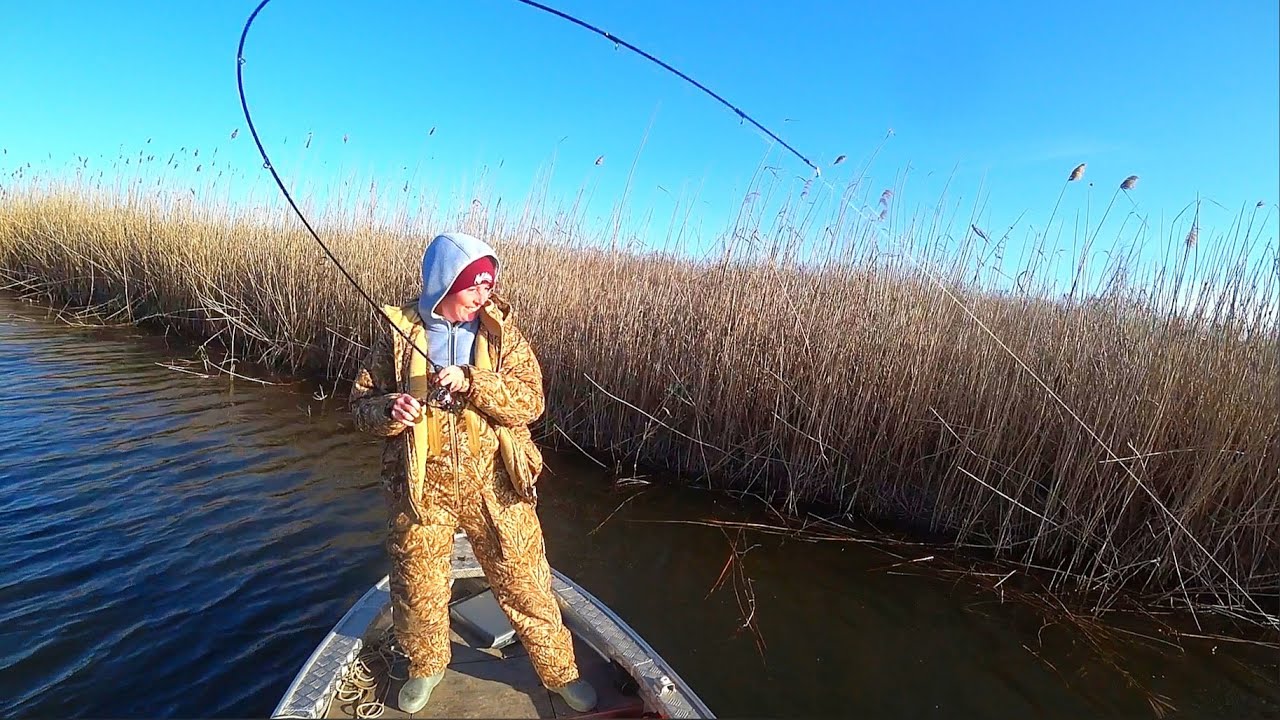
(990, 103)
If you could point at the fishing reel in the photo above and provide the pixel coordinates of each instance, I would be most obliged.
(434, 394)
(440, 397)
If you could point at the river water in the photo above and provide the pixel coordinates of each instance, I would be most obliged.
(175, 546)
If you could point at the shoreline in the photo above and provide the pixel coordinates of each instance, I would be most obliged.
(922, 418)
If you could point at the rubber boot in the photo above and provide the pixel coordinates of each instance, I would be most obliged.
(416, 691)
(578, 694)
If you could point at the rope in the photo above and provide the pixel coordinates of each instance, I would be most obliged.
(363, 685)
(267, 164)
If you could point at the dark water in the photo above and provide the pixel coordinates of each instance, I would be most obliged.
(175, 546)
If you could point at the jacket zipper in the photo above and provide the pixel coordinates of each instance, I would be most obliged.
(453, 431)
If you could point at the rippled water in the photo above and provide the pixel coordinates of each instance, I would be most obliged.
(175, 546)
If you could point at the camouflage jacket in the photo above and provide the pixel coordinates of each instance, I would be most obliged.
(462, 462)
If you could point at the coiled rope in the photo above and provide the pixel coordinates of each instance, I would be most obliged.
(369, 677)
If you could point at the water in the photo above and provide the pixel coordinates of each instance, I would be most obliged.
(172, 545)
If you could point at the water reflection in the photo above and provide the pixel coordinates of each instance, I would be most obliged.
(172, 545)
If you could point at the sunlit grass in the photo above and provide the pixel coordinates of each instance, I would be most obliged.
(1117, 425)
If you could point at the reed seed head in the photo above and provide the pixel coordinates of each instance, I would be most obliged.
(1129, 182)
(1118, 358)
(1077, 173)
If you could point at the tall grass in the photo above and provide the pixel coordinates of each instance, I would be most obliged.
(1125, 433)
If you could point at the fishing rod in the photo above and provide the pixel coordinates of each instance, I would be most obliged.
(617, 41)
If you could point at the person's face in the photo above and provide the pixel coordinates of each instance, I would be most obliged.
(463, 305)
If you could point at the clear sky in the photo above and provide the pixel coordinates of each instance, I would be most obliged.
(991, 103)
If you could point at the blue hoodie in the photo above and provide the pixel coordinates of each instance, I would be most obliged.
(446, 256)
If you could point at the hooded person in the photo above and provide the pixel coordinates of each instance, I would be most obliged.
(459, 454)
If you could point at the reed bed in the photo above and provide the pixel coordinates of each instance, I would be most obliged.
(1123, 435)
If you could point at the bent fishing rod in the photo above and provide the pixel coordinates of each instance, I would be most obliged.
(617, 41)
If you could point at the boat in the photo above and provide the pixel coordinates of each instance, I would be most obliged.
(356, 671)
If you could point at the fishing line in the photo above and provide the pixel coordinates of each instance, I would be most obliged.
(267, 164)
(619, 41)
(240, 61)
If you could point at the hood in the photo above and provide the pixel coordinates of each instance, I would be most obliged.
(444, 258)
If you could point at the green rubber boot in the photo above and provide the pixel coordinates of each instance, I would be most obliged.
(416, 691)
(579, 695)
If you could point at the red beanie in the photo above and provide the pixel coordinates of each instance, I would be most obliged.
(482, 270)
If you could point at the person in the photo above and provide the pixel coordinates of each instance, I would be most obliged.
(464, 458)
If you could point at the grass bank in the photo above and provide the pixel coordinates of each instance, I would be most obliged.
(1127, 435)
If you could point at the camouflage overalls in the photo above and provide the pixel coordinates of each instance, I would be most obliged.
(463, 484)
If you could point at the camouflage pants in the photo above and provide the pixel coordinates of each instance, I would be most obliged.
(507, 539)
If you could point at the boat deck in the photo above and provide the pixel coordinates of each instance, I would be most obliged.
(481, 682)
(357, 672)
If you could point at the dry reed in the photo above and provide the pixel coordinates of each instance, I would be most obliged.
(855, 381)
